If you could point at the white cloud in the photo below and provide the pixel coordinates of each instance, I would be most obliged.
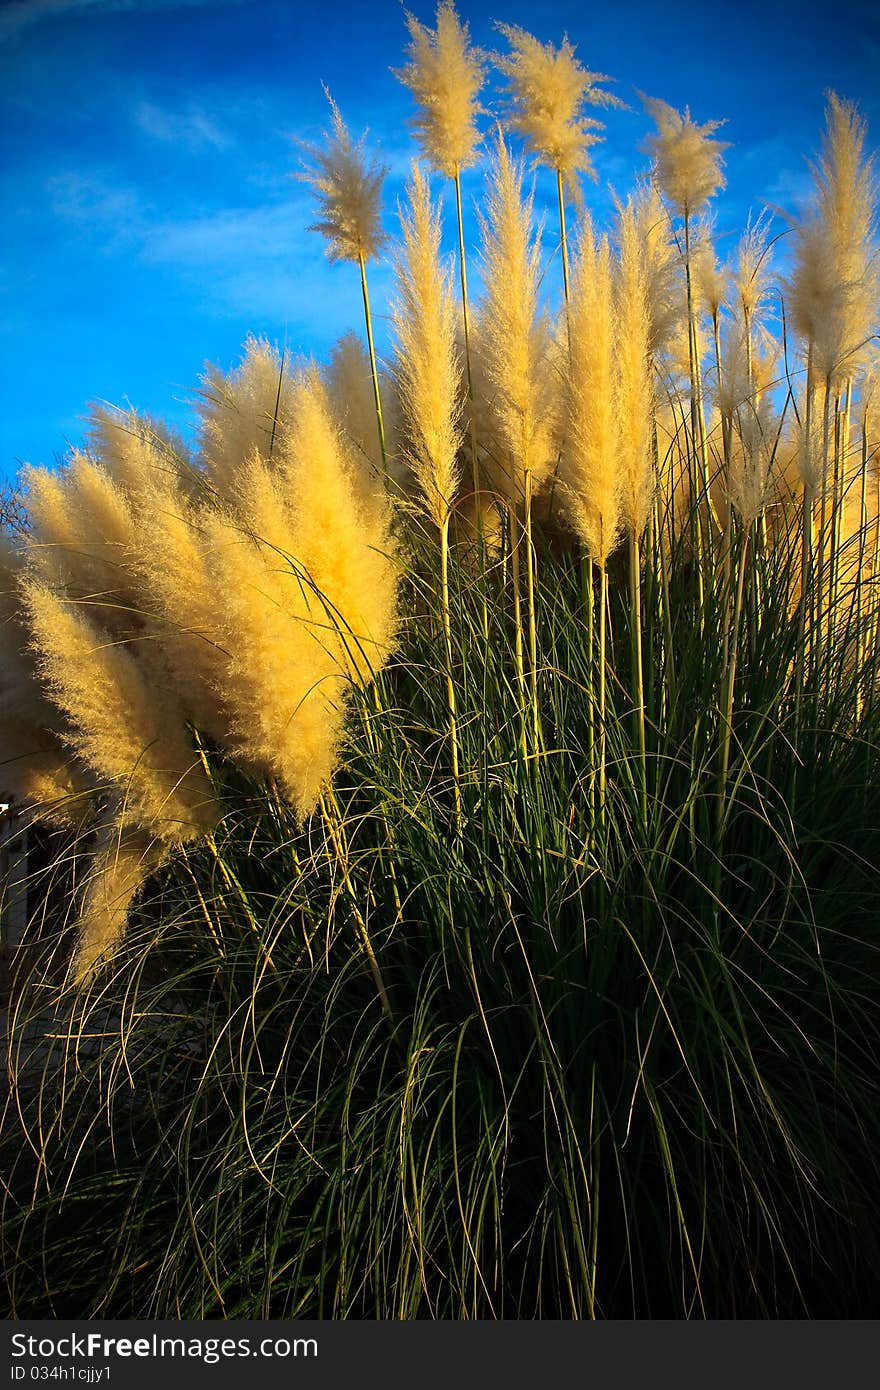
(93, 201)
(19, 15)
(260, 264)
(192, 127)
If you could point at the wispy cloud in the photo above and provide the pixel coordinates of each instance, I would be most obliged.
(94, 202)
(259, 263)
(193, 128)
(19, 15)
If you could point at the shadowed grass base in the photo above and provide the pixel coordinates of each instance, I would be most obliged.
(619, 1068)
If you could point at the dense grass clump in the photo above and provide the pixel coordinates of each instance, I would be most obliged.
(460, 776)
(500, 1056)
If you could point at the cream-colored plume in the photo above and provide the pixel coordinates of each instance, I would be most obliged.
(81, 529)
(661, 261)
(687, 161)
(243, 410)
(752, 269)
(349, 192)
(126, 731)
(548, 90)
(123, 859)
(633, 373)
(514, 341)
(711, 282)
(588, 470)
(445, 74)
(305, 588)
(350, 389)
(428, 371)
(833, 292)
(35, 768)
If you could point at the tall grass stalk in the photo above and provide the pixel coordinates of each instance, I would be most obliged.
(368, 320)
(730, 672)
(603, 684)
(450, 683)
(465, 317)
(563, 242)
(638, 677)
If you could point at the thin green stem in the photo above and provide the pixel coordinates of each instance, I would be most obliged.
(603, 629)
(372, 349)
(530, 597)
(635, 601)
(566, 289)
(730, 676)
(465, 317)
(450, 684)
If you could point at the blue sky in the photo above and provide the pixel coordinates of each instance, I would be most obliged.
(146, 148)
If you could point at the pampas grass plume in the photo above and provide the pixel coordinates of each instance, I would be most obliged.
(81, 531)
(588, 471)
(126, 731)
(513, 335)
(634, 391)
(712, 282)
(752, 267)
(445, 74)
(242, 410)
(687, 160)
(548, 90)
(305, 587)
(660, 261)
(833, 292)
(123, 859)
(349, 191)
(350, 391)
(341, 534)
(429, 376)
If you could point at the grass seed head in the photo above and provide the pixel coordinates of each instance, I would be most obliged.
(348, 188)
(588, 470)
(445, 74)
(687, 161)
(428, 370)
(513, 334)
(548, 89)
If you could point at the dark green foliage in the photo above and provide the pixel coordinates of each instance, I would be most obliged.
(561, 1064)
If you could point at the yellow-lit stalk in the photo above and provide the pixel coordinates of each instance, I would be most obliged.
(635, 601)
(823, 518)
(563, 241)
(806, 558)
(513, 529)
(472, 431)
(760, 543)
(530, 594)
(465, 316)
(863, 530)
(233, 885)
(841, 448)
(666, 612)
(370, 730)
(728, 530)
(698, 423)
(730, 674)
(603, 629)
(589, 604)
(875, 570)
(835, 526)
(450, 685)
(369, 322)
